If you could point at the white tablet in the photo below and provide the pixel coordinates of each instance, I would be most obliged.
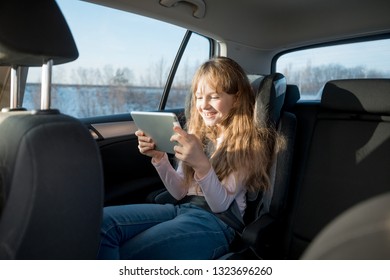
(158, 126)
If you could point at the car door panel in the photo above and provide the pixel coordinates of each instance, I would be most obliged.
(129, 176)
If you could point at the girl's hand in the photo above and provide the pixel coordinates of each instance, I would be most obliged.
(146, 146)
(190, 151)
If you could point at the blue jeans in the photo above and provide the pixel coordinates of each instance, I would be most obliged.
(156, 231)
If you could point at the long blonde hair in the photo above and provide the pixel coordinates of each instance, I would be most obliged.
(247, 148)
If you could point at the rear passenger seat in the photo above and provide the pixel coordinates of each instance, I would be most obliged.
(342, 158)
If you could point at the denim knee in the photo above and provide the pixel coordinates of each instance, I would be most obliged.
(193, 234)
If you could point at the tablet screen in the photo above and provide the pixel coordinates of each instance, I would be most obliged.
(158, 126)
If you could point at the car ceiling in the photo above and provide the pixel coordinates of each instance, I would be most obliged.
(274, 25)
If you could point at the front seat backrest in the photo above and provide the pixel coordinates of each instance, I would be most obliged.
(51, 171)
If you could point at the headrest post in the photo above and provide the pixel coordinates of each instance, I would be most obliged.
(15, 87)
(46, 85)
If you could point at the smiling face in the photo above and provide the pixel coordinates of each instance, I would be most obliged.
(213, 106)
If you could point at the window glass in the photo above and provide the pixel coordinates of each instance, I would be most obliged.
(124, 61)
(196, 52)
(310, 69)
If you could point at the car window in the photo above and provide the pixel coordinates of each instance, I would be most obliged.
(310, 69)
(123, 65)
(196, 52)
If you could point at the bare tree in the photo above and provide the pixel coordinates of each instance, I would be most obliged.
(160, 72)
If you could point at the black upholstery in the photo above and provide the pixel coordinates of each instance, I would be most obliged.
(347, 158)
(291, 98)
(270, 98)
(51, 171)
(32, 32)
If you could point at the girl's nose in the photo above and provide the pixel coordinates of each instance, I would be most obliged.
(205, 103)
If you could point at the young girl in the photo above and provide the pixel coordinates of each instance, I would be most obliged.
(223, 154)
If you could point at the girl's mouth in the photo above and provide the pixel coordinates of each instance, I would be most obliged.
(209, 115)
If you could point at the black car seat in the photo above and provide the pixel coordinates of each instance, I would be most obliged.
(347, 158)
(266, 211)
(51, 181)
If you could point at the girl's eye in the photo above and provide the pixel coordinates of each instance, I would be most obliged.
(215, 97)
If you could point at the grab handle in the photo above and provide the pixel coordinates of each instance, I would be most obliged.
(199, 6)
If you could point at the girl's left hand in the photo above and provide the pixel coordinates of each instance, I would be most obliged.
(190, 151)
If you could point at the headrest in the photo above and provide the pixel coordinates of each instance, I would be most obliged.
(270, 98)
(292, 96)
(358, 95)
(32, 32)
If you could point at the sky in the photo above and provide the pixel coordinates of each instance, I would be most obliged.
(107, 36)
(98, 25)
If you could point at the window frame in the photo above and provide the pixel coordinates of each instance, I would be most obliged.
(328, 44)
(176, 63)
(363, 39)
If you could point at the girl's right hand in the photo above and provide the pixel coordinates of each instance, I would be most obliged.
(146, 146)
